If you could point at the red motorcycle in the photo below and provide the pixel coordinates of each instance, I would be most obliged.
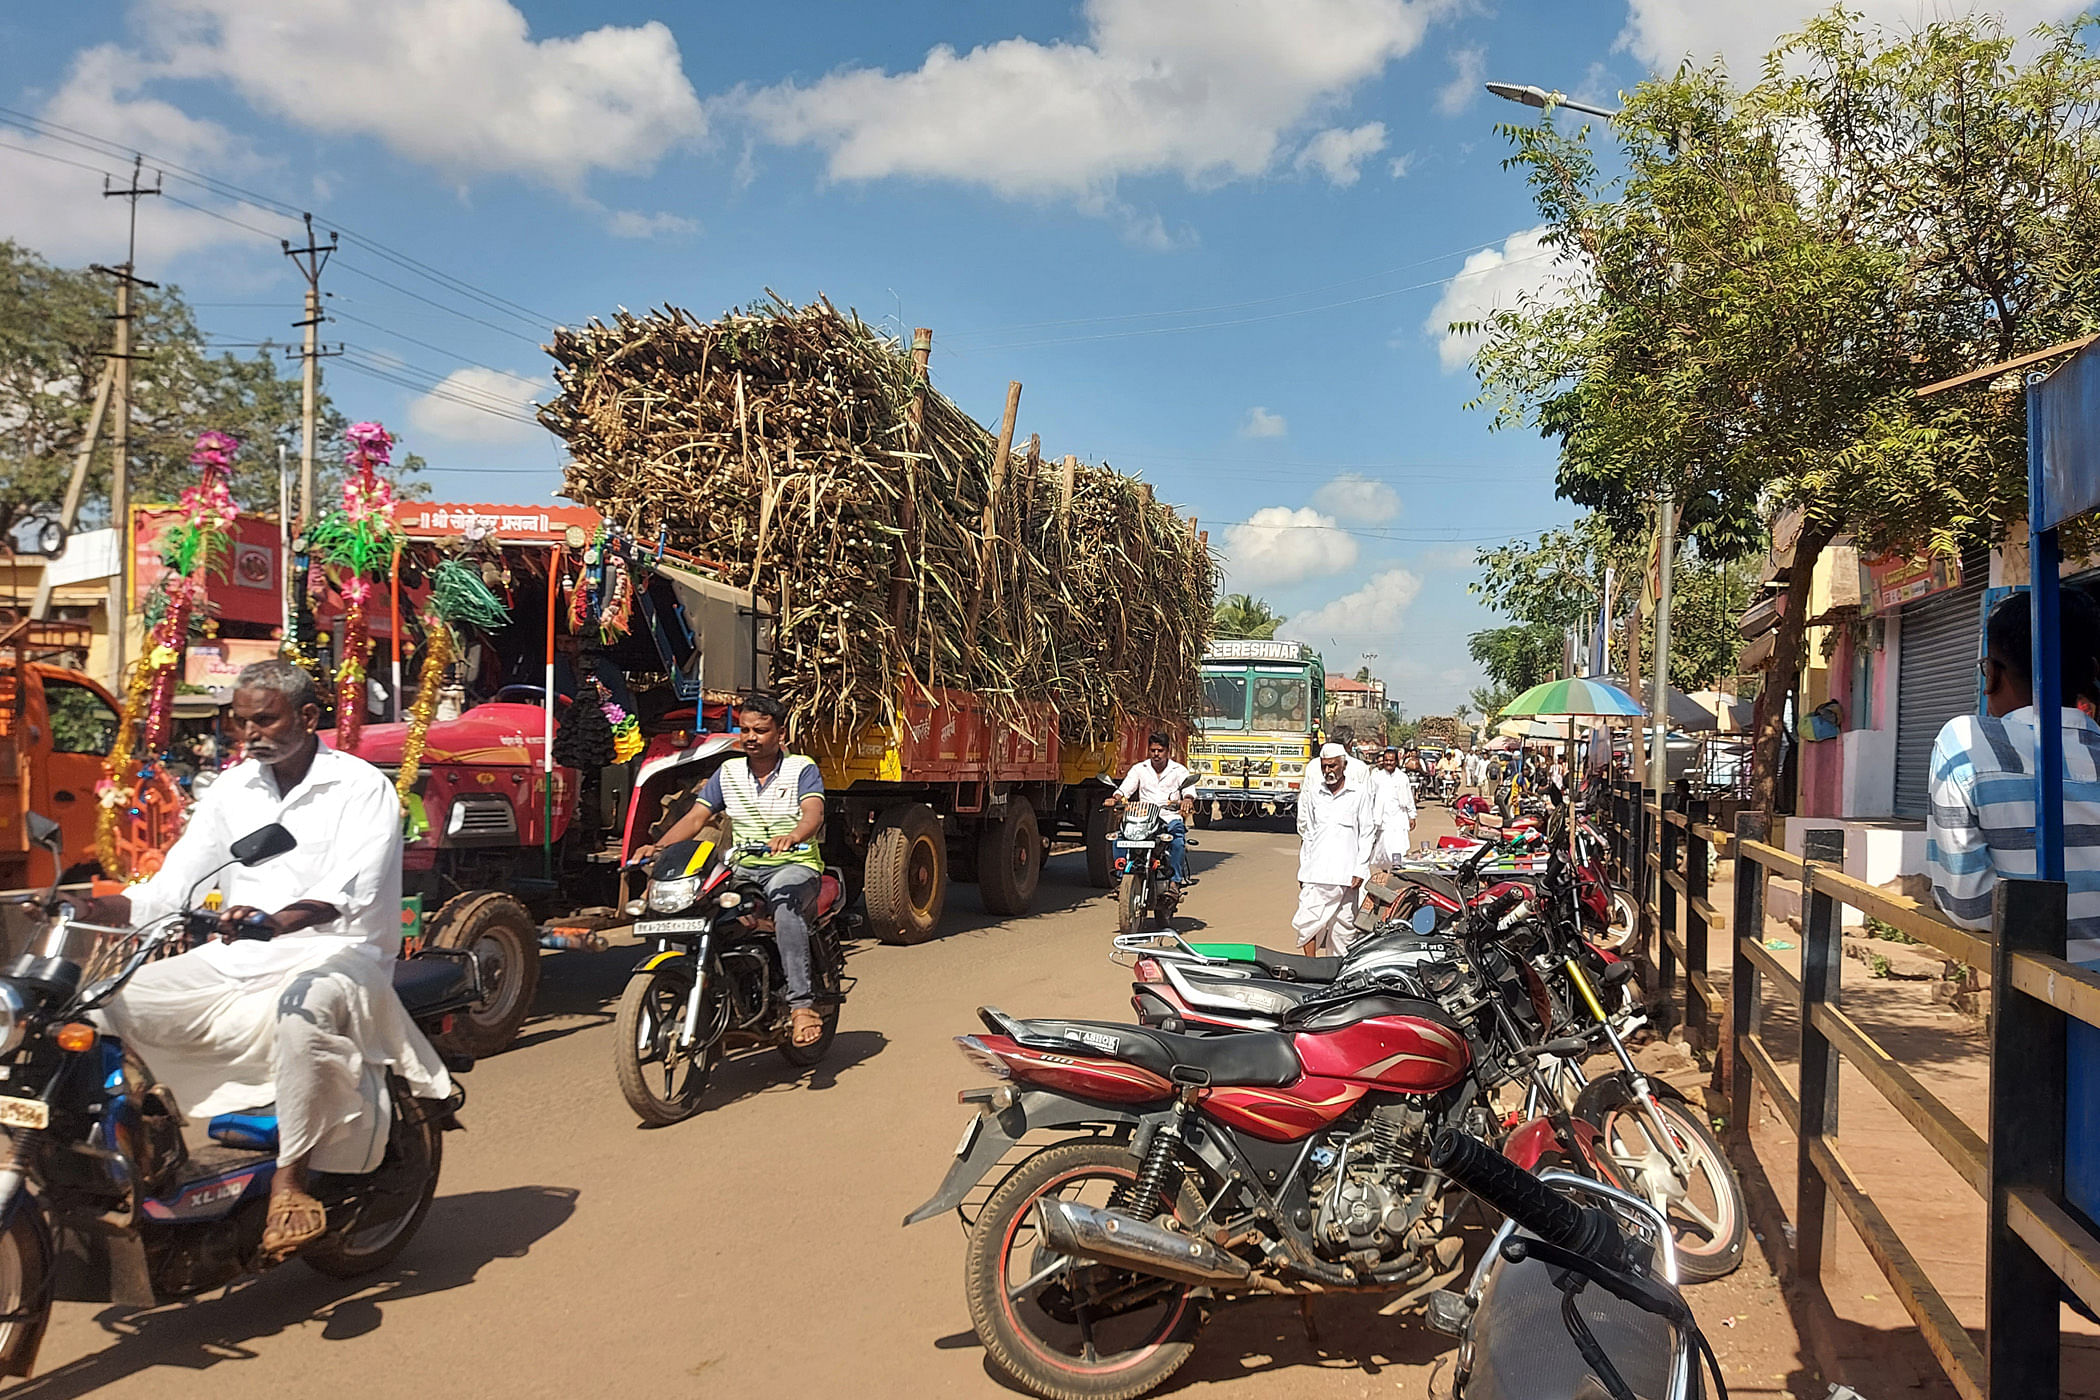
(1193, 1169)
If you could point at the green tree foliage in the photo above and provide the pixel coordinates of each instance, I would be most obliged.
(54, 334)
(1517, 658)
(1242, 616)
(1487, 701)
(1781, 266)
(1363, 675)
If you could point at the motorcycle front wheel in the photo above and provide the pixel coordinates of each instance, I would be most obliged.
(1130, 903)
(1063, 1329)
(661, 1081)
(25, 1290)
(1708, 1217)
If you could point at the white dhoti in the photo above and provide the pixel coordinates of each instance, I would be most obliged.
(318, 1040)
(1326, 919)
(1395, 838)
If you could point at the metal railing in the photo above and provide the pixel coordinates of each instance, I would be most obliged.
(2035, 1244)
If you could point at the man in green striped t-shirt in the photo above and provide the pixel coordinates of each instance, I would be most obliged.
(776, 797)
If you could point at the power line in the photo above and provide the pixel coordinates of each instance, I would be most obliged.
(343, 315)
(357, 271)
(395, 364)
(380, 369)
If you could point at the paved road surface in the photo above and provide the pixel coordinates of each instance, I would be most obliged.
(756, 1249)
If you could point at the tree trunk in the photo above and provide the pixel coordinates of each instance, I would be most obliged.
(1787, 655)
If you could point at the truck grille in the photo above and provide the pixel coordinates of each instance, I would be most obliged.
(477, 815)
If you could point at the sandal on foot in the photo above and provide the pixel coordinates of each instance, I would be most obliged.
(296, 1220)
(807, 1026)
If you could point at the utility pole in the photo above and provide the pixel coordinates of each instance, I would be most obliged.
(310, 260)
(1666, 558)
(120, 426)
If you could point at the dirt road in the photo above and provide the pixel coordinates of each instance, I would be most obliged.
(756, 1249)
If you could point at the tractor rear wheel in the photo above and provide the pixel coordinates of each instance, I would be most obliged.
(505, 943)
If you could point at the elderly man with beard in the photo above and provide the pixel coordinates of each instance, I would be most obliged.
(293, 1001)
(1337, 825)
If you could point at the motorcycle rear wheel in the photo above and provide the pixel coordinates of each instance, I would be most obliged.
(661, 1083)
(1014, 1307)
(825, 965)
(415, 1153)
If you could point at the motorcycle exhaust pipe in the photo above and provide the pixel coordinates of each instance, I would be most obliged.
(1111, 1237)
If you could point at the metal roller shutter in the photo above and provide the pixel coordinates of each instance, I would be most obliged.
(1935, 677)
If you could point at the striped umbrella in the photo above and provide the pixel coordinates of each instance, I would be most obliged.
(1576, 696)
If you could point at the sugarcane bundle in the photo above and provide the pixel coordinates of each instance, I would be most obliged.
(803, 451)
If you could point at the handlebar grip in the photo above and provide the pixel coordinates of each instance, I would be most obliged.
(1524, 1198)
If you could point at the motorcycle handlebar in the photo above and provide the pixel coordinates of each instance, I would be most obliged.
(1525, 1199)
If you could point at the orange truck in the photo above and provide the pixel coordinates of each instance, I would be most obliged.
(56, 728)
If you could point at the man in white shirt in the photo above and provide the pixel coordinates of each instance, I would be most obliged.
(294, 1003)
(1393, 803)
(1158, 781)
(1336, 829)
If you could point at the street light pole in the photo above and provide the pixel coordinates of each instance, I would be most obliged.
(1666, 523)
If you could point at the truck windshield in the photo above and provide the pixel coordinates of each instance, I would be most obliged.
(1280, 702)
(1224, 700)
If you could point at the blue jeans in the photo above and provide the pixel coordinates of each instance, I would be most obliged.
(1178, 848)
(792, 891)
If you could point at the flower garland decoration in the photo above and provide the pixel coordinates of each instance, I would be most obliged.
(191, 549)
(627, 733)
(458, 597)
(358, 537)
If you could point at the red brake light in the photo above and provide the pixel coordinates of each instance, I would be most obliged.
(1148, 970)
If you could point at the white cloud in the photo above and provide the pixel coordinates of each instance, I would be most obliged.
(1278, 545)
(476, 404)
(1208, 90)
(1468, 67)
(1260, 423)
(1496, 279)
(1400, 166)
(632, 223)
(1662, 33)
(1370, 613)
(1357, 499)
(1339, 153)
(460, 85)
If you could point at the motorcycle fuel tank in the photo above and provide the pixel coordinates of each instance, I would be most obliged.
(1402, 1053)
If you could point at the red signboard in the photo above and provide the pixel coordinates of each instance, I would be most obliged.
(248, 585)
(509, 524)
(1899, 581)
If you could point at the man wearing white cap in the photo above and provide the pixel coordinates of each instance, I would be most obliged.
(1337, 826)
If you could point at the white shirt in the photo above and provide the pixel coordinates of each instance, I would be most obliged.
(348, 824)
(1392, 798)
(1159, 786)
(1334, 832)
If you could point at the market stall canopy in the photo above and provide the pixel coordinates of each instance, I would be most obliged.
(1575, 697)
(1685, 712)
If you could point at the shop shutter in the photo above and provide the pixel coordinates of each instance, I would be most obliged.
(1935, 677)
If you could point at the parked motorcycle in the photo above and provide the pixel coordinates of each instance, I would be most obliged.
(713, 980)
(1189, 1169)
(1145, 888)
(1599, 1258)
(102, 1201)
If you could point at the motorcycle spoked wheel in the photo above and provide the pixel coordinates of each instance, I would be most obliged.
(661, 1083)
(1708, 1218)
(394, 1198)
(25, 1290)
(1027, 1309)
(1131, 903)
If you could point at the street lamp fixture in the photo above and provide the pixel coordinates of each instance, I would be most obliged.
(1532, 96)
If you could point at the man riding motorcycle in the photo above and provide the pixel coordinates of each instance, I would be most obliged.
(1159, 781)
(293, 1002)
(778, 798)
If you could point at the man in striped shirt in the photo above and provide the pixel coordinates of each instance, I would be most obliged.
(1980, 824)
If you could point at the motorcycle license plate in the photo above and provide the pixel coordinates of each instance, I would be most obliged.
(25, 1113)
(656, 926)
(1133, 845)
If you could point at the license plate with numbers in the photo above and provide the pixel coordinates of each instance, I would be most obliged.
(25, 1113)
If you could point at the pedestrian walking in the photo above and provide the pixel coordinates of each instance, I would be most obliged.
(1393, 804)
(1336, 829)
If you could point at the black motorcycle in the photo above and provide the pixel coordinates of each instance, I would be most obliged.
(713, 979)
(101, 1200)
(1146, 894)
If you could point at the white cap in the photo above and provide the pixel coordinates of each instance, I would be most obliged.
(1333, 751)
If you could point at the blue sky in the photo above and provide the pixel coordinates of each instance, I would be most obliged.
(1216, 240)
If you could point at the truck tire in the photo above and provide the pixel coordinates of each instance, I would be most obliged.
(1100, 847)
(907, 874)
(1010, 860)
(506, 946)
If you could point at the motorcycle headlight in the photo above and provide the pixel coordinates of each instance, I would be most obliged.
(670, 896)
(1137, 821)
(14, 1017)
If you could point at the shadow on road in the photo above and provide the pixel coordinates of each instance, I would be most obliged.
(461, 1234)
(763, 1070)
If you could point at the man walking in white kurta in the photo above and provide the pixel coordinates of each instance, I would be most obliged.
(1336, 829)
(1393, 803)
(301, 1011)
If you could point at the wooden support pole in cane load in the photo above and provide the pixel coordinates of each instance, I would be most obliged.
(1000, 456)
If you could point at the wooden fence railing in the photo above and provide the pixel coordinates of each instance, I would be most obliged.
(2035, 1245)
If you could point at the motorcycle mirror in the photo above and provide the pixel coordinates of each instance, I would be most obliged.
(1190, 781)
(263, 843)
(42, 830)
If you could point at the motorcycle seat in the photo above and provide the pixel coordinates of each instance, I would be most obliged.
(252, 1130)
(429, 984)
(1254, 1058)
(1295, 967)
(829, 889)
